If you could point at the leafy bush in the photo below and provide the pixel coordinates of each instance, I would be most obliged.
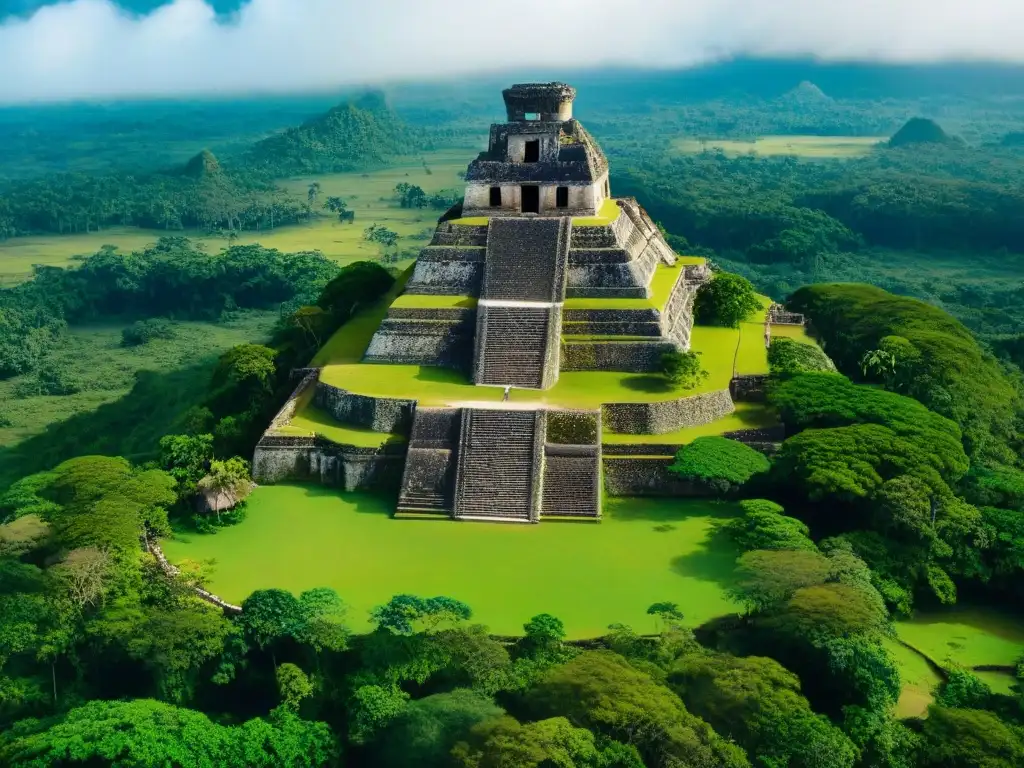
(787, 357)
(727, 299)
(52, 378)
(721, 464)
(682, 369)
(764, 525)
(358, 284)
(144, 331)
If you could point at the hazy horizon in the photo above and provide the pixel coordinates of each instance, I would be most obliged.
(95, 49)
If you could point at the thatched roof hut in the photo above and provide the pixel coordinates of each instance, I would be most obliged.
(221, 500)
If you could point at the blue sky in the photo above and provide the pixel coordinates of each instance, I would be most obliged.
(98, 49)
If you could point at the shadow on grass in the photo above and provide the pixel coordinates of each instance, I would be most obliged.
(714, 562)
(441, 375)
(652, 385)
(130, 426)
(667, 510)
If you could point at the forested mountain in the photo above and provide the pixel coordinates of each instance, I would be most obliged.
(921, 130)
(361, 133)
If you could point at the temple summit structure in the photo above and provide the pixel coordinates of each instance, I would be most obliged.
(538, 272)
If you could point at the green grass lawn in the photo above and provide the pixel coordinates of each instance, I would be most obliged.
(433, 301)
(664, 280)
(369, 195)
(967, 635)
(917, 679)
(746, 416)
(106, 370)
(589, 575)
(797, 146)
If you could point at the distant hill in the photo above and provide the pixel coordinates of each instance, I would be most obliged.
(358, 134)
(921, 130)
(202, 165)
(1014, 139)
(806, 93)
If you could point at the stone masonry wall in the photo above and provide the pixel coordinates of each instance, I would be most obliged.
(633, 476)
(283, 458)
(636, 357)
(667, 416)
(380, 414)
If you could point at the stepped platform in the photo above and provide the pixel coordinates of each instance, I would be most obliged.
(428, 480)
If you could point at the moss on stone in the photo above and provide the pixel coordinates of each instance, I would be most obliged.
(433, 301)
(572, 428)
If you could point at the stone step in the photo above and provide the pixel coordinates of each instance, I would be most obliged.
(496, 458)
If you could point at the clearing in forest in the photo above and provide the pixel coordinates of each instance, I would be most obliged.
(588, 574)
(841, 147)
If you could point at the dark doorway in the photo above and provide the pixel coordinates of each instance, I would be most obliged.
(531, 199)
(495, 197)
(532, 151)
(562, 197)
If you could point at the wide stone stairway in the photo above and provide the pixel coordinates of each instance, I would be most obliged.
(519, 315)
(513, 346)
(496, 465)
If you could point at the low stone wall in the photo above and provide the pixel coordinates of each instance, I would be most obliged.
(380, 414)
(611, 316)
(668, 415)
(630, 357)
(446, 277)
(422, 342)
(283, 458)
(634, 476)
(749, 389)
(640, 449)
(158, 554)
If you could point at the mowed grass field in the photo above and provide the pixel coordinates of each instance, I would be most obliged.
(369, 195)
(590, 575)
(812, 147)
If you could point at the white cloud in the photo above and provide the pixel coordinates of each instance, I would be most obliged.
(88, 48)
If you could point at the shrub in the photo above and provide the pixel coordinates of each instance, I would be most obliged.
(727, 299)
(52, 378)
(721, 464)
(682, 369)
(787, 357)
(144, 331)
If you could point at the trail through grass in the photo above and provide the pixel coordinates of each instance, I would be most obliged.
(588, 574)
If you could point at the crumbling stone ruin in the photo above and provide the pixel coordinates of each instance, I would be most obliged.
(538, 271)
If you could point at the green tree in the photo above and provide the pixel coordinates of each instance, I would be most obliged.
(683, 369)
(766, 578)
(426, 729)
(600, 691)
(293, 686)
(357, 285)
(757, 702)
(186, 458)
(720, 464)
(403, 613)
(505, 743)
(763, 525)
(146, 732)
(227, 480)
(787, 357)
(726, 299)
(968, 738)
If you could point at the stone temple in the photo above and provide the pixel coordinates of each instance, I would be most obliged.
(539, 272)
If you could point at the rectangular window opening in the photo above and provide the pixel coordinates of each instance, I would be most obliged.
(495, 197)
(562, 197)
(532, 154)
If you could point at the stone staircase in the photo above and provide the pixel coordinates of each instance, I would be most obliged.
(571, 481)
(428, 481)
(496, 465)
(512, 346)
